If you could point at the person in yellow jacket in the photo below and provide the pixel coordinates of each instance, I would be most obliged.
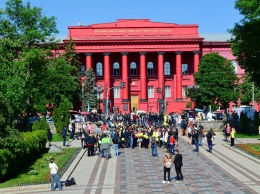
(232, 134)
(164, 120)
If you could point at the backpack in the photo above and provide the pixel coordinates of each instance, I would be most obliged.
(153, 141)
(203, 132)
(70, 182)
(168, 163)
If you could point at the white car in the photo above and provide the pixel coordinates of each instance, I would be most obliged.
(140, 112)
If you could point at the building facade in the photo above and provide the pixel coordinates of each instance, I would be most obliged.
(156, 61)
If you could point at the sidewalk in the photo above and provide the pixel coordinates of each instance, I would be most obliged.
(136, 171)
(242, 167)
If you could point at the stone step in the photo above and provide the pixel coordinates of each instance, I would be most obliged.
(52, 128)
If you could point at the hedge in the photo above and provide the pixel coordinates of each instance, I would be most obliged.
(17, 150)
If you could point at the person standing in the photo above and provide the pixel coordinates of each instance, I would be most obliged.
(127, 137)
(178, 164)
(90, 129)
(98, 139)
(82, 136)
(167, 162)
(71, 130)
(228, 129)
(64, 135)
(154, 147)
(172, 144)
(232, 134)
(195, 137)
(209, 140)
(115, 141)
(105, 143)
(54, 175)
(91, 140)
(49, 136)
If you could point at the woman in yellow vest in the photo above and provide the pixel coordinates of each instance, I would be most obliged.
(164, 120)
(232, 134)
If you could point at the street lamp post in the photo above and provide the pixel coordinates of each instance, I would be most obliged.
(82, 95)
(162, 91)
(121, 85)
(193, 88)
(99, 90)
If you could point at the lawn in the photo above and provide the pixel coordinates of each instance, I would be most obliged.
(246, 135)
(58, 138)
(38, 171)
(253, 148)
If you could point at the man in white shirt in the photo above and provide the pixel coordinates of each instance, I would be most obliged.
(54, 175)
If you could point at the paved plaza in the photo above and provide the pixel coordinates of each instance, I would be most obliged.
(136, 171)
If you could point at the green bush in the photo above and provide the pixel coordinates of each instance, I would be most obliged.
(18, 149)
(5, 157)
(40, 125)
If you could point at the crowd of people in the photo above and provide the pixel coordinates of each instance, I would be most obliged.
(146, 131)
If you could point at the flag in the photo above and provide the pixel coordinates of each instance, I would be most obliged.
(88, 107)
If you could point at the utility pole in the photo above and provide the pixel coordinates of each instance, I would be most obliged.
(253, 95)
(121, 85)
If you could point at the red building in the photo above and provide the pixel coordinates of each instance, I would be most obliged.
(155, 60)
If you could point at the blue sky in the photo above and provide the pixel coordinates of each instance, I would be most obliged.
(212, 16)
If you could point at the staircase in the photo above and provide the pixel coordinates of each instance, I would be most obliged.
(52, 128)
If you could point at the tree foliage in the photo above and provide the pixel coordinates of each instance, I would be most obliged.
(40, 125)
(217, 81)
(246, 91)
(61, 115)
(245, 41)
(31, 76)
(23, 57)
(89, 95)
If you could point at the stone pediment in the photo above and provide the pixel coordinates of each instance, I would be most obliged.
(134, 29)
(133, 23)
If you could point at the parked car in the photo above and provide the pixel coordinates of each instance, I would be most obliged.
(217, 115)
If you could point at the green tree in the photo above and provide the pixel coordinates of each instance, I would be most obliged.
(72, 58)
(55, 83)
(245, 41)
(61, 115)
(26, 40)
(246, 91)
(217, 81)
(40, 125)
(89, 95)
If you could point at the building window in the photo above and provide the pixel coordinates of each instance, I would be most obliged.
(167, 68)
(133, 68)
(149, 68)
(184, 91)
(234, 63)
(99, 69)
(116, 68)
(150, 92)
(117, 92)
(184, 68)
(167, 91)
(83, 70)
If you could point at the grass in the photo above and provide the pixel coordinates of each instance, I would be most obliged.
(40, 166)
(253, 148)
(246, 135)
(58, 138)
